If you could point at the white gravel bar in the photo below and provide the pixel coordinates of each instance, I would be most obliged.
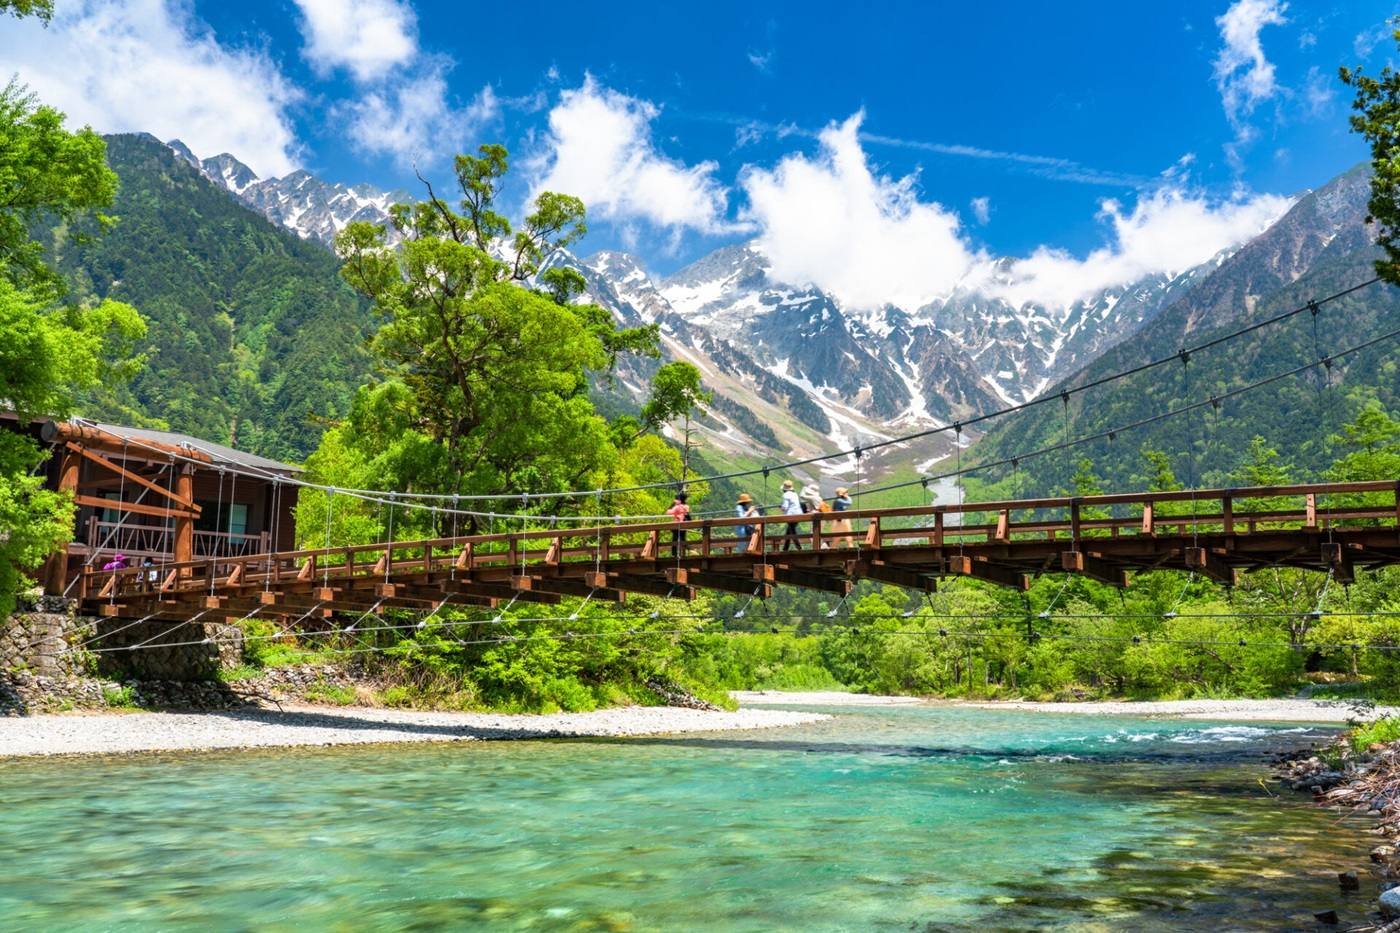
(1280, 710)
(818, 698)
(120, 733)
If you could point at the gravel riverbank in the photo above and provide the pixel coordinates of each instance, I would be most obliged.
(118, 733)
(1279, 710)
(1276, 710)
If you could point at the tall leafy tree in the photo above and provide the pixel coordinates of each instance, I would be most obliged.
(485, 352)
(1377, 117)
(49, 350)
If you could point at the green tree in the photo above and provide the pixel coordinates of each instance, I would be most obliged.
(43, 9)
(493, 350)
(50, 350)
(1377, 118)
(676, 392)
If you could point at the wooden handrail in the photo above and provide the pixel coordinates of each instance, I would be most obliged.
(574, 544)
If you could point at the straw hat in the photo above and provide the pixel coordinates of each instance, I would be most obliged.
(840, 490)
(787, 484)
(745, 497)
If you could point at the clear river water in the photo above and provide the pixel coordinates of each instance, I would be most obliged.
(899, 818)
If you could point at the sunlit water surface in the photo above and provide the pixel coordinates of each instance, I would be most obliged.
(904, 818)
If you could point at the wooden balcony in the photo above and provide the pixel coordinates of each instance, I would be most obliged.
(138, 542)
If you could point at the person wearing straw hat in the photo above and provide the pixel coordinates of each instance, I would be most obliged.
(745, 508)
(842, 526)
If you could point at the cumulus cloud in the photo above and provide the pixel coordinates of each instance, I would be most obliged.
(1168, 231)
(831, 221)
(412, 120)
(150, 65)
(1244, 76)
(981, 209)
(366, 37)
(599, 147)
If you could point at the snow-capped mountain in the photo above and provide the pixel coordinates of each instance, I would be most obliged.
(301, 202)
(856, 375)
(793, 371)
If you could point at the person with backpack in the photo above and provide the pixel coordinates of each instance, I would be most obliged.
(746, 508)
(842, 526)
(791, 505)
(679, 511)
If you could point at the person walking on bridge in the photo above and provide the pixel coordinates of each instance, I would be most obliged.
(745, 509)
(679, 511)
(842, 526)
(791, 505)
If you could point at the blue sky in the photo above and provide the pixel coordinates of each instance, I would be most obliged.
(1124, 136)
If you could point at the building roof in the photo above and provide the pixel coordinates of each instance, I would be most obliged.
(219, 453)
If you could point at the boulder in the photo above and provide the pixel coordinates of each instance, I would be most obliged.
(1389, 902)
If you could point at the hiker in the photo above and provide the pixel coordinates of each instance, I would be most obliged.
(811, 496)
(679, 511)
(148, 570)
(118, 562)
(791, 505)
(842, 526)
(745, 509)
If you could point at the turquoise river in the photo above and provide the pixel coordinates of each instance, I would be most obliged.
(918, 818)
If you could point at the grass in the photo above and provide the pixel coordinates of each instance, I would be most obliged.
(1382, 731)
(119, 697)
(332, 694)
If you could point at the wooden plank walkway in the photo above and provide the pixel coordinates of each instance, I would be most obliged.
(1218, 533)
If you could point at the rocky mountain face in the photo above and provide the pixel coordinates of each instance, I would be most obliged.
(309, 207)
(1319, 248)
(849, 376)
(794, 372)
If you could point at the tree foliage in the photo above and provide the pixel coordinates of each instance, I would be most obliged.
(50, 351)
(1377, 118)
(43, 9)
(486, 355)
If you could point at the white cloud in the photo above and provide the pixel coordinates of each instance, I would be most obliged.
(830, 221)
(1243, 74)
(412, 121)
(1367, 40)
(763, 61)
(366, 37)
(599, 147)
(149, 65)
(1168, 231)
(982, 209)
(867, 239)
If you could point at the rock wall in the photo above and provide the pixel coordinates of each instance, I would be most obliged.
(47, 639)
(157, 649)
(42, 639)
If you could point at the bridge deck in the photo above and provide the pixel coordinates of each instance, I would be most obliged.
(1216, 532)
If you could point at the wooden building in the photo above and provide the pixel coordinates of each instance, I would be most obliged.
(158, 496)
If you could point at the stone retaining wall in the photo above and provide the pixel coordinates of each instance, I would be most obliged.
(46, 638)
(40, 637)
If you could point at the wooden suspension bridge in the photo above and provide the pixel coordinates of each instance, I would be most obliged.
(1217, 533)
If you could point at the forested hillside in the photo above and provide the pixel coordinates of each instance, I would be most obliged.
(253, 337)
(1322, 246)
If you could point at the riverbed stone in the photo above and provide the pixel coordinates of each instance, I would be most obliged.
(1389, 902)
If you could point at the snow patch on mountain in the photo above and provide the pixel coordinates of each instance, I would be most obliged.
(302, 203)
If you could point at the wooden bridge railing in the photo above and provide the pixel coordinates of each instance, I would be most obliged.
(1071, 520)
